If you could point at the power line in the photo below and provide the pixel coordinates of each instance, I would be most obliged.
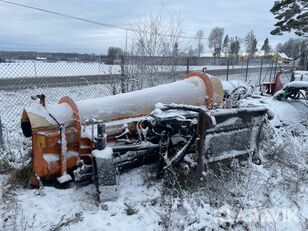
(94, 22)
(64, 15)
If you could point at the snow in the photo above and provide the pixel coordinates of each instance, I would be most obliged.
(106, 153)
(263, 196)
(283, 55)
(231, 85)
(283, 112)
(298, 84)
(65, 178)
(51, 157)
(62, 112)
(161, 106)
(230, 121)
(108, 193)
(249, 105)
(301, 75)
(189, 91)
(45, 211)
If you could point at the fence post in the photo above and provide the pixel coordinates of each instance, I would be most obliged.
(228, 69)
(1, 134)
(187, 65)
(260, 76)
(123, 90)
(247, 65)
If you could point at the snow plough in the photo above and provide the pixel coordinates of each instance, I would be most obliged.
(196, 120)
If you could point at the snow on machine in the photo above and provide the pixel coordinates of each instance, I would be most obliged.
(193, 120)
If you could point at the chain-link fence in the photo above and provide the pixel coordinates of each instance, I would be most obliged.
(19, 80)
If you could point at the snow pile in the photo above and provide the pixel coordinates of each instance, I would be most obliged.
(106, 153)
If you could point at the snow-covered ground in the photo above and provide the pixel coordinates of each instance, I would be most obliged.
(301, 75)
(272, 196)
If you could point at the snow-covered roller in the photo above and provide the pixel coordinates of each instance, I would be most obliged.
(195, 89)
(43, 122)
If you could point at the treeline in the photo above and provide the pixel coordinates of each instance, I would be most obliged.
(31, 55)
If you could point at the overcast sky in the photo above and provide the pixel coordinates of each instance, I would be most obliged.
(30, 30)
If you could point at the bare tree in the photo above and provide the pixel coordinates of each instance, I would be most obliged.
(199, 38)
(215, 41)
(154, 37)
